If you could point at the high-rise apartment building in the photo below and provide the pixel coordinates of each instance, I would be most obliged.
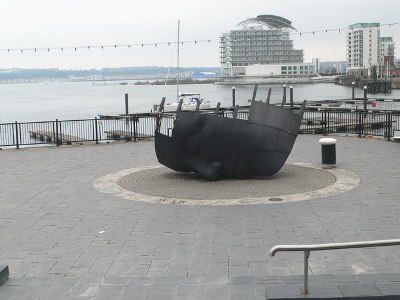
(316, 63)
(263, 49)
(363, 48)
(386, 51)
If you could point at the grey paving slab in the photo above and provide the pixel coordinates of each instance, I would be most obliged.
(58, 231)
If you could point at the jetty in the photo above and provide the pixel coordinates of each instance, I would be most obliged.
(374, 85)
(125, 135)
(53, 137)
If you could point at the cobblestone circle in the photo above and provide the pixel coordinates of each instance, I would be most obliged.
(164, 182)
(158, 184)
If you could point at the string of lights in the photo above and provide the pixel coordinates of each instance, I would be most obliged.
(156, 44)
(339, 30)
(103, 47)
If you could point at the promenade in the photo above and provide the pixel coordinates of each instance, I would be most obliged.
(64, 239)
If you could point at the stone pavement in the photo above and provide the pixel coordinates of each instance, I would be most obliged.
(62, 239)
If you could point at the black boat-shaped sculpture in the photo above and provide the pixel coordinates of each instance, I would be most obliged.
(218, 147)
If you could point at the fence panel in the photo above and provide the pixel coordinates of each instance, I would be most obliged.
(7, 134)
(342, 122)
(312, 122)
(75, 131)
(396, 121)
(37, 133)
(116, 129)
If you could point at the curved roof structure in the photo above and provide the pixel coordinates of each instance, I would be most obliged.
(271, 21)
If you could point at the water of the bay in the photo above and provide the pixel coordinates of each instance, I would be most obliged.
(44, 101)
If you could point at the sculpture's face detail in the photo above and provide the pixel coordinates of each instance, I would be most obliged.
(215, 147)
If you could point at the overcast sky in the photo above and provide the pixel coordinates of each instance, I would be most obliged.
(71, 23)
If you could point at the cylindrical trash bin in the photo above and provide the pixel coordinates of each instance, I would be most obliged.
(328, 150)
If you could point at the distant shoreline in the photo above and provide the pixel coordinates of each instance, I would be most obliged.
(181, 81)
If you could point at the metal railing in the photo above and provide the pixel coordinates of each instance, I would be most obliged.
(333, 246)
(58, 132)
(359, 122)
(139, 126)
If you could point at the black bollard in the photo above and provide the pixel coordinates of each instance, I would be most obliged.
(233, 96)
(352, 90)
(328, 150)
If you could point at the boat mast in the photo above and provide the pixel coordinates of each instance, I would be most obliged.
(177, 66)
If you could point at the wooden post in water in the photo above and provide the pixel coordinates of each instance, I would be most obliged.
(233, 96)
(284, 95)
(291, 96)
(269, 95)
(126, 103)
(365, 97)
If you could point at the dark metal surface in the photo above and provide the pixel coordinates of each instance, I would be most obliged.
(216, 147)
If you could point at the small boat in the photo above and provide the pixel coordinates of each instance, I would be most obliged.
(189, 102)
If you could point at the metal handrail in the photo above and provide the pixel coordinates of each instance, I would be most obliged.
(332, 246)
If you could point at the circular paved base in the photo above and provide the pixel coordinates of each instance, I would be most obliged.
(159, 184)
(163, 182)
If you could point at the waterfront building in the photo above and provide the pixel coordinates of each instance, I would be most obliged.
(262, 49)
(367, 50)
(363, 40)
(316, 62)
(386, 52)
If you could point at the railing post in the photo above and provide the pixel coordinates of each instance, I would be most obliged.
(16, 135)
(96, 130)
(331, 246)
(304, 290)
(389, 126)
(359, 124)
(324, 122)
(134, 127)
(57, 141)
(58, 133)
